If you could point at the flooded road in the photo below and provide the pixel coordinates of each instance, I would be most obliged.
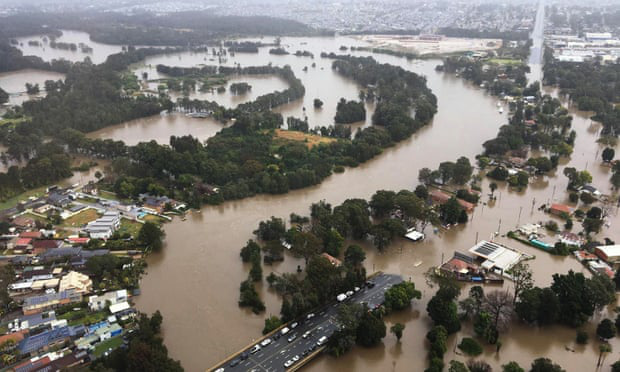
(194, 282)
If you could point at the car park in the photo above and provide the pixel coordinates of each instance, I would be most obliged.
(255, 349)
(292, 338)
(265, 342)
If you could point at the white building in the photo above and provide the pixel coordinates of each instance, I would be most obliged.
(104, 227)
(495, 256)
(98, 303)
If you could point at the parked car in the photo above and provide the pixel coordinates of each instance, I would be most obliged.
(349, 293)
(306, 334)
(255, 349)
(221, 369)
(341, 297)
(234, 362)
(294, 325)
(284, 330)
(310, 316)
(288, 363)
(321, 341)
(265, 342)
(370, 284)
(296, 358)
(292, 338)
(245, 355)
(356, 289)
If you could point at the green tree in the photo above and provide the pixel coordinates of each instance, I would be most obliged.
(397, 329)
(382, 202)
(271, 323)
(151, 236)
(545, 365)
(371, 329)
(354, 255)
(470, 346)
(399, 296)
(4, 96)
(512, 367)
(272, 229)
(438, 338)
(492, 187)
(456, 366)
(442, 309)
(249, 250)
(608, 154)
(606, 329)
(603, 350)
(615, 367)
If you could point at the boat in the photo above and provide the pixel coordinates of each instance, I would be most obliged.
(200, 115)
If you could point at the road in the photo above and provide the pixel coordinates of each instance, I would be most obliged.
(272, 357)
(536, 52)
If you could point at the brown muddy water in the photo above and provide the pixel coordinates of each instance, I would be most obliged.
(14, 83)
(195, 281)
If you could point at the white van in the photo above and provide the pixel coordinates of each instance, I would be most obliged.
(284, 330)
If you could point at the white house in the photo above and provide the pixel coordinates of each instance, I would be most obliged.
(98, 303)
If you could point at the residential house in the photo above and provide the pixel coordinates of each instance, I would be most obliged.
(32, 321)
(495, 256)
(23, 222)
(42, 246)
(44, 340)
(98, 303)
(90, 188)
(37, 304)
(333, 260)
(560, 209)
(76, 281)
(441, 197)
(59, 199)
(43, 209)
(570, 238)
(30, 234)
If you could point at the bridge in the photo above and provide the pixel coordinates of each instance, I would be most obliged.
(301, 341)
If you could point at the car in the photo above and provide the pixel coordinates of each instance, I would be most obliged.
(321, 341)
(294, 325)
(296, 358)
(356, 289)
(276, 336)
(288, 363)
(310, 316)
(292, 338)
(305, 352)
(313, 347)
(255, 349)
(284, 330)
(341, 297)
(306, 334)
(349, 293)
(234, 362)
(370, 284)
(244, 355)
(220, 369)
(265, 342)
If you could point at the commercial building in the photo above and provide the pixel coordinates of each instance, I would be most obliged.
(608, 253)
(104, 227)
(495, 257)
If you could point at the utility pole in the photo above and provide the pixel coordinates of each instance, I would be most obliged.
(476, 238)
(519, 218)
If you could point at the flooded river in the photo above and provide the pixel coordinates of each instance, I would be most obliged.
(194, 282)
(14, 83)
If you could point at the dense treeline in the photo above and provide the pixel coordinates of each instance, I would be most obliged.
(12, 59)
(348, 112)
(180, 28)
(593, 86)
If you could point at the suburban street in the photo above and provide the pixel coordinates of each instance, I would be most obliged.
(272, 357)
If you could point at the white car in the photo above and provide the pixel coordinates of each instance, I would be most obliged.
(284, 330)
(349, 293)
(219, 370)
(292, 338)
(255, 349)
(306, 334)
(294, 325)
(289, 363)
(265, 342)
(310, 316)
(295, 358)
(356, 289)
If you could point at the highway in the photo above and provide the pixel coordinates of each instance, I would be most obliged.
(272, 357)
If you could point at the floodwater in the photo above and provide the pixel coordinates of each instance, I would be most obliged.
(98, 55)
(14, 83)
(194, 282)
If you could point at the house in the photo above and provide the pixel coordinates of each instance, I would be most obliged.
(78, 240)
(495, 256)
(105, 226)
(570, 238)
(441, 197)
(34, 364)
(529, 229)
(461, 266)
(582, 255)
(32, 321)
(90, 188)
(23, 244)
(560, 209)
(120, 308)
(108, 331)
(43, 209)
(30, 234)
(589, 189)
(44, 340)
(42, 246)
(23, 222)
(37, 304)
(59, 199)
(333, 260)
(608, 253)
(78, 282)
(517, 162)
(98, 303)
(599, 267)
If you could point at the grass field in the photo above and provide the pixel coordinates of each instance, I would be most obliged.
(83, 316)
(505, 61)
(81, 218)
(310, 139)
(129, 226)
(151, 218)
(111, 343)
(35, 217)
(11, 202)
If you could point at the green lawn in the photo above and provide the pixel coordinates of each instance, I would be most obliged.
(130, 226)
(152, 218)
(112, 196)
(81, 218)
(111, 343)
(505, 61)
(35, 217)
(83, 316)
(11, 202)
